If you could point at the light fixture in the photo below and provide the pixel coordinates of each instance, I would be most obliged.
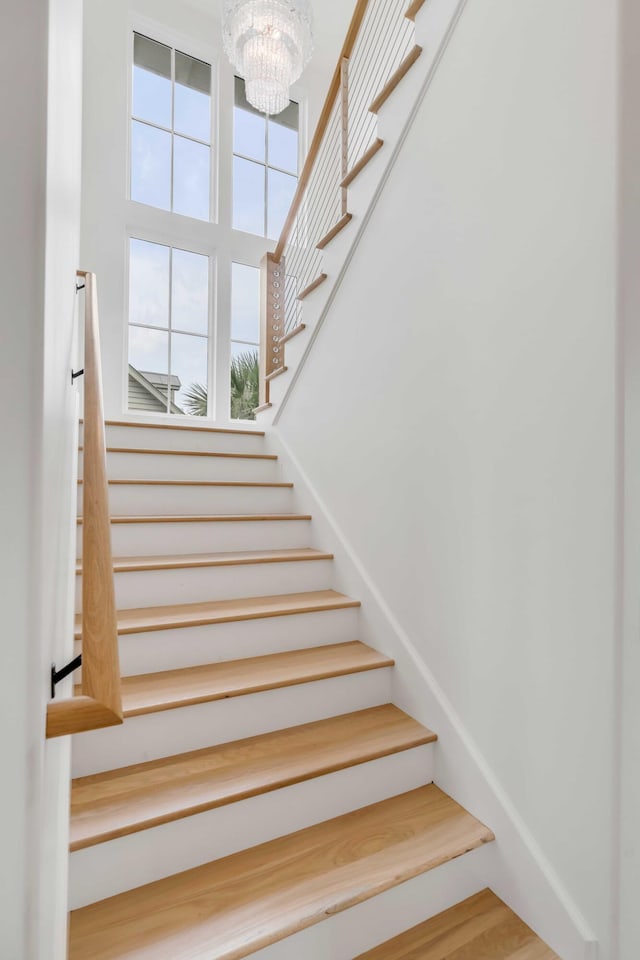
(269, 43)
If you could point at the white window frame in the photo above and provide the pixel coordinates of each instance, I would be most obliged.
(169, 330)
(172, 40)
(216, 238)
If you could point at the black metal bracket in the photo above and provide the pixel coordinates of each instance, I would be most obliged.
(75, 374)
(79, 287)
(58, 675)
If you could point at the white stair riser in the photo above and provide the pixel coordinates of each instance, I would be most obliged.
(162, 466)
(151, 438)
(164, 539)
(172, 732)
(191, 646)
(133, 500)
(96, 872)
(347, 934)
(149, 588)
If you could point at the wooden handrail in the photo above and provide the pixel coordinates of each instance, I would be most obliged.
(100, 704)
(321, 128)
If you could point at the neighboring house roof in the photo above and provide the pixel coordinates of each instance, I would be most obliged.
(152, 384)
(161, 379)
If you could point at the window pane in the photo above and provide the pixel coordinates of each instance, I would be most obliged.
(149, 356)
(281, 190)
(150, 165)
(191, 178)
(283, 147)
(244, 381)
(239, 349)
(248, 196)
(249, 134)
(151, 81)
(149, 284)
(192, 108)
(189, 368)
(190, 292)
(245, 303)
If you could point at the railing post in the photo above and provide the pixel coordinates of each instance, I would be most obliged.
(272, 306)
(344, 129)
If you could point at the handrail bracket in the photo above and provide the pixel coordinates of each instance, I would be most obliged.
(58, 675)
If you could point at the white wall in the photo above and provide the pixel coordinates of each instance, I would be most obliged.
(629, 358)
(457, 413)
(40, 69)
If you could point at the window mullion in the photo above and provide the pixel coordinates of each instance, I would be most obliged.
(170, 338)
(266, 175)
(173, 119)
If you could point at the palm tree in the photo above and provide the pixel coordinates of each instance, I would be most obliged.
(195, 400)
(244, 389)
(245, 385)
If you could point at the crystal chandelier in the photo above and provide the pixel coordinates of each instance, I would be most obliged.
(269, 43)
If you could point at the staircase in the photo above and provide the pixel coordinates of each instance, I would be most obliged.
(262, 780)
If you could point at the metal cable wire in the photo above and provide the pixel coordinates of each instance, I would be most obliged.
(386, 37)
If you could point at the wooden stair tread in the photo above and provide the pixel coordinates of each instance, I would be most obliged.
(120, 802)
(196, 483)
(480, 927)
(343, 222)
(194, 560)
(396, 78)
(232, 907)
(320, 279)
(190, 453)
(145, 619)
(294, 332)
(414, 9)
(180, 426)
(364, 160)
(187, 686)
(276, 373)
(213, 518)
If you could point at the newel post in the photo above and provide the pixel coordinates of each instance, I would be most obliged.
(272, 291)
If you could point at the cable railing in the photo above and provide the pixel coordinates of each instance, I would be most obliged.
(99, 703)
(319, 212)
(377, 52)
(368, 74)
